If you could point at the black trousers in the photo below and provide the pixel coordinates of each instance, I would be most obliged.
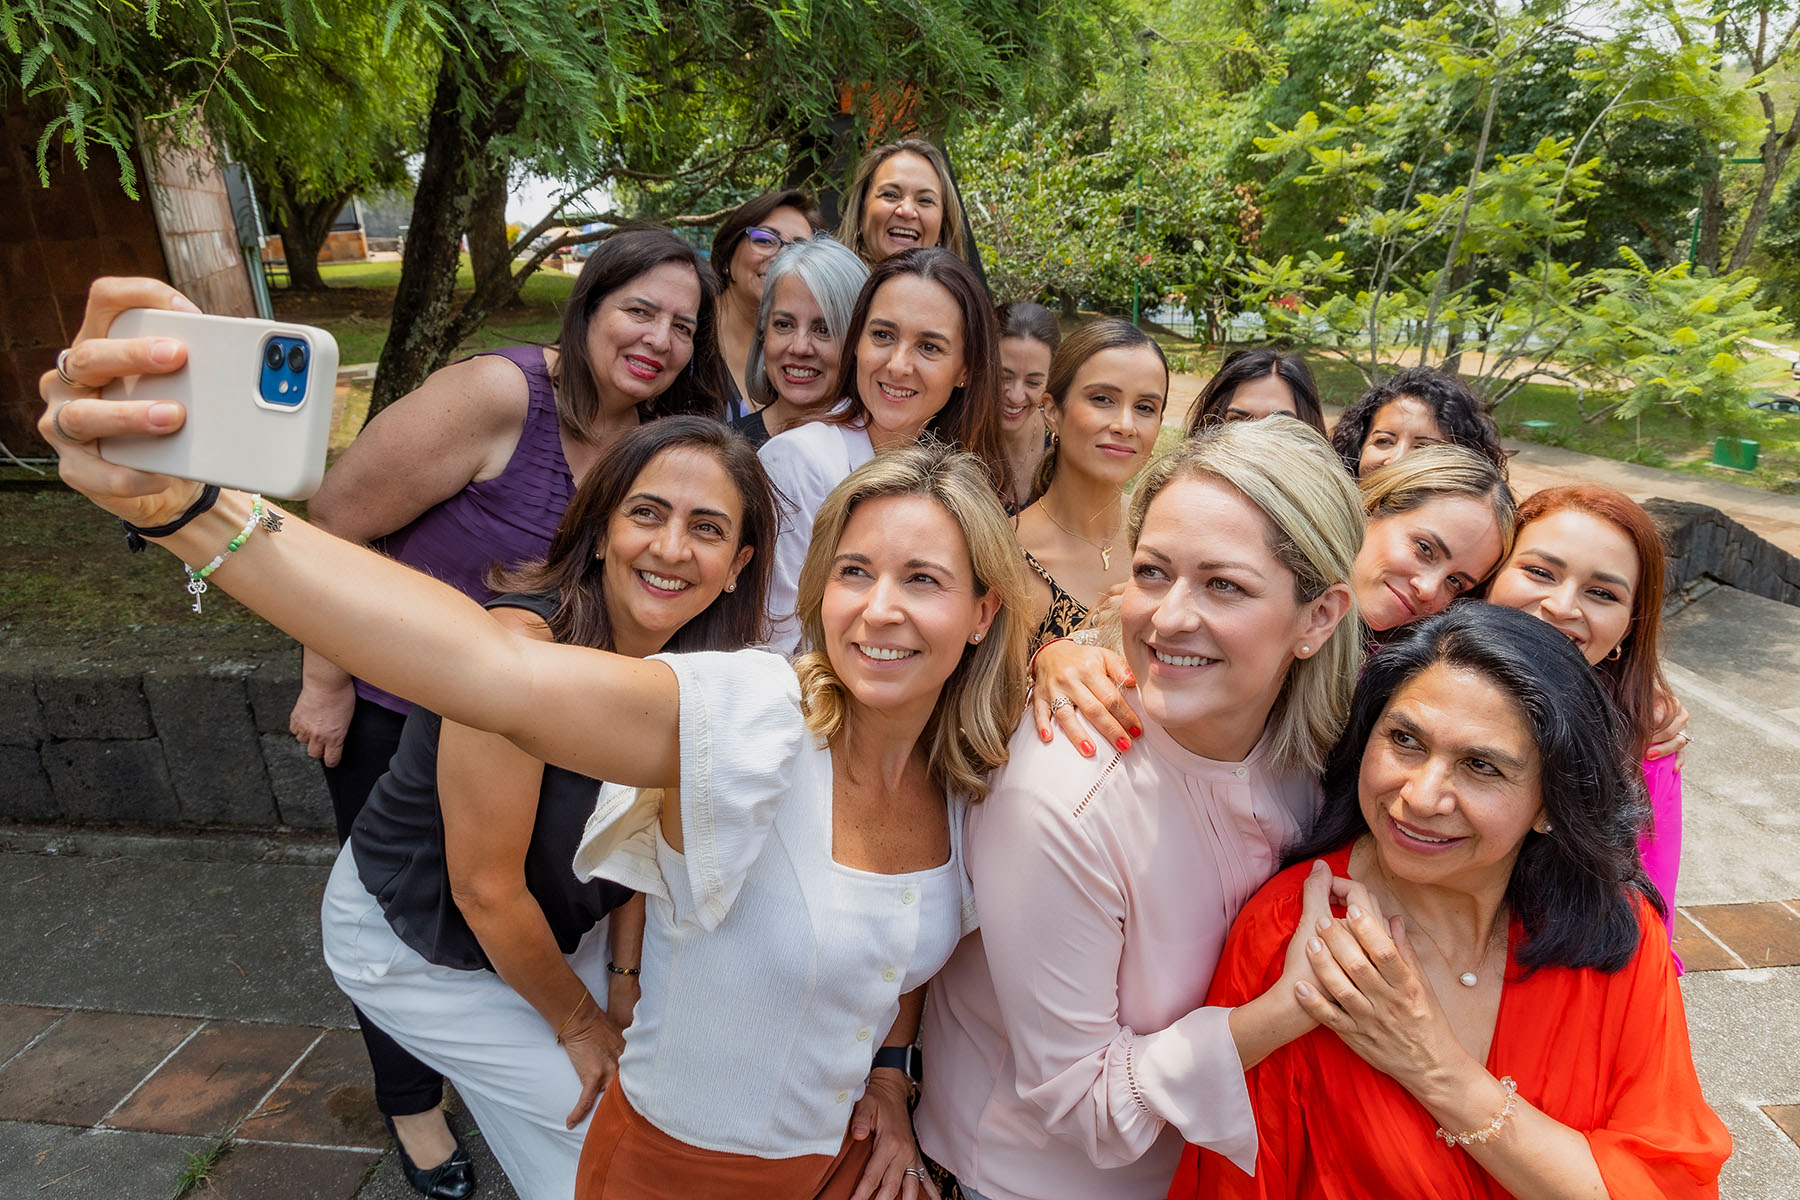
(403, 1085)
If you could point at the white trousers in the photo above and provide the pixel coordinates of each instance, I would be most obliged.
(471, 1028)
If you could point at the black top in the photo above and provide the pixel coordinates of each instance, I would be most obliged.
(752, 426)
(398, 843)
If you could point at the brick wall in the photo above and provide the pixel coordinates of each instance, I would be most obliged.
(344, 246)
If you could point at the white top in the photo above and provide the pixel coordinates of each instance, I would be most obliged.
(771, 972)
(805, 462)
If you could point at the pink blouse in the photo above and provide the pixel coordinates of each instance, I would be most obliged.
(1064, 1057)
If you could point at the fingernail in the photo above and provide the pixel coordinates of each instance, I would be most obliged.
(1324, 924)
(184, 304)
(1130, 679)
(1315, 945)
(1123, 744)
(162, 352)
(1043, 735)
(1303, 991)
(1087, 748)
(1354, 912)
(1136, 732)
(1318, 865)
(164, 416)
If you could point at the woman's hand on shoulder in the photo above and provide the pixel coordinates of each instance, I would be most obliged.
(1671, 736)
(75, 417)
(883, 1114)
(1090, 679)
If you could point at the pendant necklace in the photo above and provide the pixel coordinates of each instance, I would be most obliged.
(1105, 550)
(1468, 978)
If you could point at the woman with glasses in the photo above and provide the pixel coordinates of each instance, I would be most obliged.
(743, 250)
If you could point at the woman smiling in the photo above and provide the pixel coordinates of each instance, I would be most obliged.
(920, 359)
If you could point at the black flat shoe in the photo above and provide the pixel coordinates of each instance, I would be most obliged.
(452, 1179)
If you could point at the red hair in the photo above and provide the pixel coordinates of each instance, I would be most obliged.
(1634, 679)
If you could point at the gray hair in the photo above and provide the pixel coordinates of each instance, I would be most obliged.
(834, 275)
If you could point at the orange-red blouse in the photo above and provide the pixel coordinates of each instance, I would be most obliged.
(1603, 1054)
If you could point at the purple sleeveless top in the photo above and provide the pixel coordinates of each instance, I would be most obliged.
(508, 519)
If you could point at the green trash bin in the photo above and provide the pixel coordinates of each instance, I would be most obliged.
(1735, 454)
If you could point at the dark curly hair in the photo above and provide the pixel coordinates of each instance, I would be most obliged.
(1461, 415)
(1573, 889)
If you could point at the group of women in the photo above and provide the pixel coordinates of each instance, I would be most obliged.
(1331, 887)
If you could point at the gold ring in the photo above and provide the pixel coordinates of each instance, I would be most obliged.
(62, 373)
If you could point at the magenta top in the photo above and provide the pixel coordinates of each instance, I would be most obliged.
(507, 519)
(1660, 847)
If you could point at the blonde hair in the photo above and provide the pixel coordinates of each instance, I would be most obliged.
(950, 233)
(1424, 475)
(967, 734)
(1290, 473)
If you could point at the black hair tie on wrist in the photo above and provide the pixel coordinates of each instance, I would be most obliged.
(135, 535)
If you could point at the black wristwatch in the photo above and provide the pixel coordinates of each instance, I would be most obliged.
(904, 1059)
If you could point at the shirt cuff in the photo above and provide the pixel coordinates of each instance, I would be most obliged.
(1189, 1075)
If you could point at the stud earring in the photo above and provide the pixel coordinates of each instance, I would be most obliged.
(732, 586)
(975, 640)
(1306, 652)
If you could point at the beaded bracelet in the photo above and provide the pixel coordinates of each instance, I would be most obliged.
(1493, 1127)
(269, 520)
(616, 969)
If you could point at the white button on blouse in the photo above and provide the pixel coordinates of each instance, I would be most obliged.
(764, 989)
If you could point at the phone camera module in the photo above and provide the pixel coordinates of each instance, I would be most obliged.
(296, 358)
(273, 354)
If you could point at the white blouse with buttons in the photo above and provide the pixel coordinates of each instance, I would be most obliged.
(771, 972)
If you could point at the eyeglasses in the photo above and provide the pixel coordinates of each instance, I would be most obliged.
(768, 241)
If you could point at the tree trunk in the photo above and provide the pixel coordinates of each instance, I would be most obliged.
(425, 301)
(304, 227)
(1712, 220)
(1777, 147)
(422, 332)
(490, 250)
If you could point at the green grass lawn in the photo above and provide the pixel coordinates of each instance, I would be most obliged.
(355, 311)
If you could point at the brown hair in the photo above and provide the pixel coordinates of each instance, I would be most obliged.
(1090, 338)
(970, 419)
(950, 232)
(615, 262)
(573, 568)
(750, 214)
(1635, 678)
(1242, 366)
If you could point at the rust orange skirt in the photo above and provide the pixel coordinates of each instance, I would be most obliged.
(625, 1157)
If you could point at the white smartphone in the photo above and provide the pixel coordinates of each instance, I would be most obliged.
(258, 396)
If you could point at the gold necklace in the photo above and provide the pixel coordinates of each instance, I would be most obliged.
(1105, 550)
(1468, 978)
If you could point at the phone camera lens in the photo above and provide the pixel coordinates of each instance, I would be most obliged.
(296, 357)
(272, 355)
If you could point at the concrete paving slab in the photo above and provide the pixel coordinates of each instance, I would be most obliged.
(257, 1171)
(56, 1162)
(1732, 659)
(213, 1081)
(86, 1065)
(159, 935)
(1745, 1031)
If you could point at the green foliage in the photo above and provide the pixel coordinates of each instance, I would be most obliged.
(1445, 245)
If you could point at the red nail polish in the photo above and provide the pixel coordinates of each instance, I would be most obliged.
(1087, 748)
(1136, 732)
(1123, 744)
(1044, 734)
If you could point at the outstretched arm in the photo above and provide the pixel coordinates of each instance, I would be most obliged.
(600, 714)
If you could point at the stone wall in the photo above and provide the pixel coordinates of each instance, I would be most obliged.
(183, 727)
(1705, 543)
